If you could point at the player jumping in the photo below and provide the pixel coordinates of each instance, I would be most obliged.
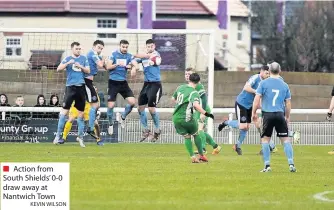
(95, 61)
(202, 120)
(74, 115)
(187, 98)
(243, 108)
(151, 91)
(76, 65)
(276, 100)
(118, 64)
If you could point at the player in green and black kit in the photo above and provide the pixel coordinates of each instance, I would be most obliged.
(187, 99)
(202, 120)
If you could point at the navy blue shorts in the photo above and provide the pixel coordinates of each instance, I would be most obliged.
(118, 87)
(243, 115)
(275, 120)
(77, 94)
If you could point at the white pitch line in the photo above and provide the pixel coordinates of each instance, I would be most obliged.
(321, 196)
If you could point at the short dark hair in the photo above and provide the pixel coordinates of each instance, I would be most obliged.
(123, 41)
(265, 68)
(98, 42)
(150, 41)
(75, 44)
(190, 69)
(20, 96)
(194, 78)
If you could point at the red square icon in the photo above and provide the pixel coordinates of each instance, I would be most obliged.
(5, 168)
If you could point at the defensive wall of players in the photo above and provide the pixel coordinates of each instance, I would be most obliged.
(309, 90)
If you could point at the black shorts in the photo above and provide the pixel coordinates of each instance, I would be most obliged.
(150, 94)
(243, 115)
(275, 120)
(91, 94)
(118, 87)
(333, 91)
(77, 94)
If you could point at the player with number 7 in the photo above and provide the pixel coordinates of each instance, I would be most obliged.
(275, 97)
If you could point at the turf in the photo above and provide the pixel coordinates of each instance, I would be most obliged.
(158, 176)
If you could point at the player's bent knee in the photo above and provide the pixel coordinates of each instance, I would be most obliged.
(95, 105)
(141, 108)
(64, 111)
(80, 114)
(285, 139)
(265, 139)
(243, 126)
(187, 136)
(151, 109)
(111, 104)
(131, 101)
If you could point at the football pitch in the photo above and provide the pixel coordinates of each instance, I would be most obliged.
(161, 176)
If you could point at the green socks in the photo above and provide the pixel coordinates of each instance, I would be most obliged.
(199, 144)
(210, 141)
(201, 134)
(189, 146)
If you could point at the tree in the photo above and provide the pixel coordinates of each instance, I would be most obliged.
(264, 23)
(308, 38)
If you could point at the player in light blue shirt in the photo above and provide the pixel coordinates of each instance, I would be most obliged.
(275, 96)
(96, 62)
(75, 65)
(118, 64)
(243, 108)
(151, 92)
(295, 135)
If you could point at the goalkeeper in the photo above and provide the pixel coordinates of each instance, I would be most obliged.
(202, 120)
(74, 114)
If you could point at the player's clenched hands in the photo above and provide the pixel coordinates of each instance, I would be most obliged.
(70, 62)
(209, 115)
(82, 68)
(111, 66)
(78, 65)
(63, 66)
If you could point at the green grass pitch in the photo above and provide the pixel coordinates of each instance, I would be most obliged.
(160, 176)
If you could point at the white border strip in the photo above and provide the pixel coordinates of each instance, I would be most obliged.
(321, 196)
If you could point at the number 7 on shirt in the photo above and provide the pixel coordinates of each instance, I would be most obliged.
(275, 96)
